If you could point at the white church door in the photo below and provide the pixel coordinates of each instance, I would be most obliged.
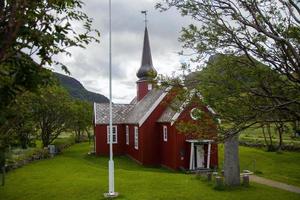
(199, 156)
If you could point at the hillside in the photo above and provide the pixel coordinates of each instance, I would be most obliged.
(76, 90)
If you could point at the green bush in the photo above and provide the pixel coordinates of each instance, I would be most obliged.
(62, 143)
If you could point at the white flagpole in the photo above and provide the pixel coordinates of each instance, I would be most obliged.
(111, 189)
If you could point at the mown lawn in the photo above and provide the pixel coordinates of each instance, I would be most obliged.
(284, 166)
(74, 175)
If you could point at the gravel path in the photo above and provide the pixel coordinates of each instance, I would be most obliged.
(275, 184)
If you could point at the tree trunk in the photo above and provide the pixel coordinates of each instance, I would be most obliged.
(3, 176)
(2, 165)
(24, 141)
(280, 132)
(280, 129)
(45, 139)
(265, 137)
(231, 161)
(77, 136)
(270, 147)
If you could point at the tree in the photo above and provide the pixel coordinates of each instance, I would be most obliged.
(43, 28)
(40, 30)
(23, 127)
(35, 29)
(225, 84)
(51, 111)
(263, 30)
(81, 118)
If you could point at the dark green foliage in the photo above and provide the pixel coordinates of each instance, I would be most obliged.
(262, 31)
(81, 120)
(39, 28)
(242, 90)
(2, 159)
(265, 30)
(35, 29)
(236, 88)
(51, 111)
(45, 28)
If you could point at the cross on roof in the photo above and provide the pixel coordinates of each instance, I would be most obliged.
(145, 12)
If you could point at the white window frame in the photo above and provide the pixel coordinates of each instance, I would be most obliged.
(165, 133)
(149, 86)
(127, 135)
(136, 137)
(115, 133)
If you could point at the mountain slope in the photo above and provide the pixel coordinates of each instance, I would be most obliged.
(76, 89)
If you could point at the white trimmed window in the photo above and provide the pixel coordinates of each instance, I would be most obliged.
(165, 133)
(136, 137)
(114, 135)
(127, 135)
(149, 86)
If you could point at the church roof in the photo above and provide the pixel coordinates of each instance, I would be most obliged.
(120, 112)
(172, 112)
(167, 115)
(146, 70)
(130, 113)
(145, 106)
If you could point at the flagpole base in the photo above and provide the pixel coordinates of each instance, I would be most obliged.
(111, 195)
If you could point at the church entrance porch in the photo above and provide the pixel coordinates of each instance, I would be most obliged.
(200, 154)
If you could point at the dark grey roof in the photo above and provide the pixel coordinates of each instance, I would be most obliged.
(146, 70)
(176, 106)
(133, 101)
(167, 115)
(143, 107)
(120, 112)
(130, 113)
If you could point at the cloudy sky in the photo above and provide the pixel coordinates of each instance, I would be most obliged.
(90, 65)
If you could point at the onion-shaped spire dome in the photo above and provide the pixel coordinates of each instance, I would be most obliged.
(146, 70)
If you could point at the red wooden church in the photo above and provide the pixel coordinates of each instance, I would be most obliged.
(145, 129)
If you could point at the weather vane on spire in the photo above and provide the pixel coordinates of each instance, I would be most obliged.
(145, 12)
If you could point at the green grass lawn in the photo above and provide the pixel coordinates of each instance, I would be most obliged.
(284, 166)
(74, 175)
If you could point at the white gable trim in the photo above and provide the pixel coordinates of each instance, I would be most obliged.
(178, 113)
(95, 114)
(156, 103)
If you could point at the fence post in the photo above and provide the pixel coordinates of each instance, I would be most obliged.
(245, 180)
(209, 176)
(219, 182)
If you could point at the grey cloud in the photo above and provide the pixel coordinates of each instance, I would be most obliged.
(90, 65)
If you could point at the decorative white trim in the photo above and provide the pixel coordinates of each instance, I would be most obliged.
(156, 103)
(149, 86)
(192, 157)
(136, 137)
(165, 133)
(116, 134)
(208, 155)
(95, 113)
(127, 134)
(178, 113)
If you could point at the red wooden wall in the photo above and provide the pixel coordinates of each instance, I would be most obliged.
(152, 150)
(102, 148)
